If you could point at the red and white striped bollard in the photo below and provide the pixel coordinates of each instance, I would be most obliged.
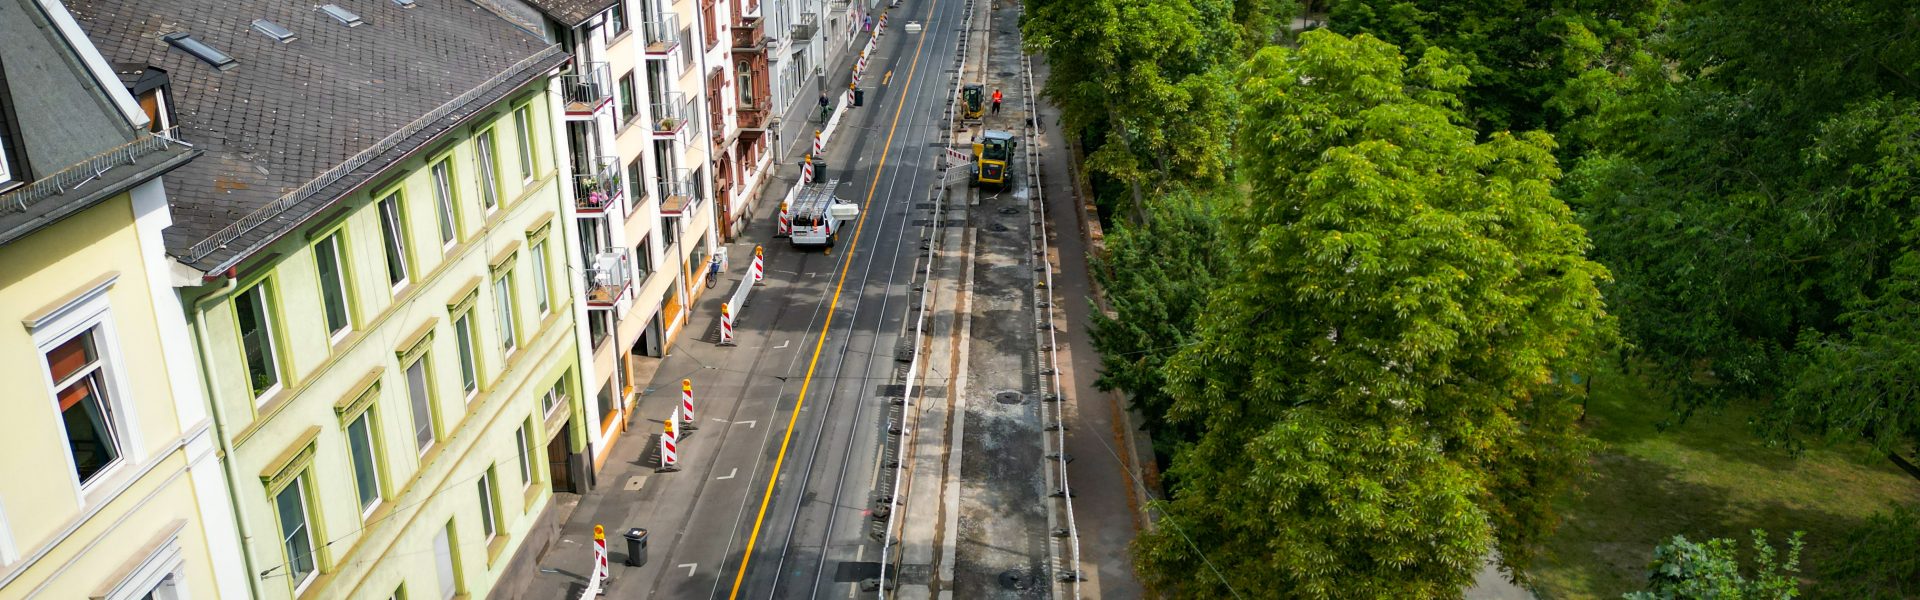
(759, 269)
(686, 403)
(726, 326)
(669, 442)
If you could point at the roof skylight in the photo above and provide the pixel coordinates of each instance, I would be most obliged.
(187, 43)
(274, 30)
(342, 15)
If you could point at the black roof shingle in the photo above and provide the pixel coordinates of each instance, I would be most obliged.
(320, 115)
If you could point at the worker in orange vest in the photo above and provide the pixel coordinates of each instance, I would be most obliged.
(996, 101)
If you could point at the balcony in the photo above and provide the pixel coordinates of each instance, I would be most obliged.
(746, 36)
(586, 90)
(676, 193)
(804, 29)
(670, 114)
(597, 186)
(608, 277)
(661, 35)
(755, 113)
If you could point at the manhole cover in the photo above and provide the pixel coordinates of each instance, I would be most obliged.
(1014, 580)
(1009, 397)
(996, 227)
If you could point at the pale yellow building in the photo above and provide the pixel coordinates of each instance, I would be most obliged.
(109, 487)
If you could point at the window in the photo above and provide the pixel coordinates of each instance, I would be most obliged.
(743, 80)
(420, 399)
(617, 20)
(503, 304)
(669, 231)
(606, 398)
(643, 256)
(636, 184)
(542, 292)
(488, 525)
(443, 197)
(463, 337)
(80, 385)
(598, 324)
(333, 286)
(296, 537)
(7, 174)
(521, 449)
(489, 183)
(256, 339)
(8, 553)
(523, 124)
(443, 562)
(628, 98)
(555, 398)
(393, 234)
(360, 448)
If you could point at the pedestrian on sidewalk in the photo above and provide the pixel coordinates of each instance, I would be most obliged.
(996, 101)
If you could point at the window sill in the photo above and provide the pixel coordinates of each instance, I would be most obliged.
(533, 494)
(619, 37)
(496, 548)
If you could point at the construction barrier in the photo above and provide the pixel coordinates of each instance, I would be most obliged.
(784, 226)
(599, 576)
(669, 451)
(726, 325)
(686, 404)
(759, 269)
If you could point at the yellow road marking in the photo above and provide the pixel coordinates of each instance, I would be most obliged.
(845, 266)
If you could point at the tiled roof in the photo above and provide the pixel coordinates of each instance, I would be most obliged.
(319, 115)
(572, 13)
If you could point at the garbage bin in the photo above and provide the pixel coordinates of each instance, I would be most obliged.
(636, 547)
(859, 96)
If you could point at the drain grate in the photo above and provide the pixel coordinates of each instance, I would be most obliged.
(1009, 397)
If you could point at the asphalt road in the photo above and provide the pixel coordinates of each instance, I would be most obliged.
(809, 537)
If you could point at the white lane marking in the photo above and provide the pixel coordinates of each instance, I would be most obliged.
(689, 567)
(750, 424)
(730, 473)
(783, 344)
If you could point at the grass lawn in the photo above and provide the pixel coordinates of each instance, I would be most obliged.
(1708, 478)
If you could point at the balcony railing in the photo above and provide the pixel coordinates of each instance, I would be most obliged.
(597, 185)
(804, 29)
(661, 35)
(755, 113)
(676, 192)
(670, 114)
(608, 277)
(587, 89)
(746, 35)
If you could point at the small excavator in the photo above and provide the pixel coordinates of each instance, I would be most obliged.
(993, 159)
(973, 101)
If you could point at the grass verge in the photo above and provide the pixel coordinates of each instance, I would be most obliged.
(1711, 477)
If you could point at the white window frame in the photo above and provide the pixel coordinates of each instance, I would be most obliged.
(393, 239)
(9, 553)
(503, 307)
(166, 561)
(448, 227)
(272, 352)
(559, 395)
(298, 486)
(469, 356)
(489, 523)
(542, 292)
(91, 312)
(373, 462)
(426, 385)
(332, 240)
(486, 156)
(524, 444)
(6, 174)
(523, 124)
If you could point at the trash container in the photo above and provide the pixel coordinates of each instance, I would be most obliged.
(636, 547)
(859, 96)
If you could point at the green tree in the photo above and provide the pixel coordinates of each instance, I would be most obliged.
(1146, 83)
(1521, 53)
(1750, 186)
(1684, 570)
(1156, 275)
(1373, 380)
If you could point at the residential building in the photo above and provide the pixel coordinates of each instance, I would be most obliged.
(109, 485)
(373, 261)
(633, 116)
